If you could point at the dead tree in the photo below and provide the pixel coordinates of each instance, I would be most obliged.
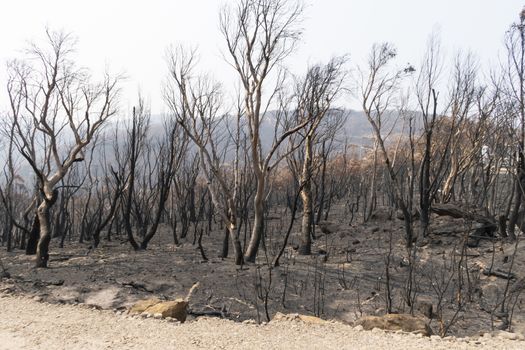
(259, 35)
(515, 95)
(427, 100)
(56, 112)
(462, 102)
(171, 152)
(128, 162)
(315, 96)
(378, 87)
(196, 103)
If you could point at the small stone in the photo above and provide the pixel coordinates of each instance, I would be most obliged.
(37, 298)
(157, 315)
(359, 328)
(248, 322)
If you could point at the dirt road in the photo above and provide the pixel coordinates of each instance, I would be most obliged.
(29, 324)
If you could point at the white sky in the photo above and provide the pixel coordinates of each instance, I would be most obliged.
(131, 36)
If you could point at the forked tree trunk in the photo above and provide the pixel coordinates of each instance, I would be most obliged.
(44, 218)
(258, 222)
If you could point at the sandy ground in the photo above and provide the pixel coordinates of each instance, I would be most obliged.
(29, 324)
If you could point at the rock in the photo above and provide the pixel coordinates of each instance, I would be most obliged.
(356, 242)
(328, 227)
(298, 317)
(249, 322)
(491, 294)
(396, 322)
(359, 328)
(177, 309)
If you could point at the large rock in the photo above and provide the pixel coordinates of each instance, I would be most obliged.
(298, 317)
(177, 309)
(396, 322)
(328, 227)
(491, 295)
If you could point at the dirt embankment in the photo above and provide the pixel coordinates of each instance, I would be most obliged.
(28, 324)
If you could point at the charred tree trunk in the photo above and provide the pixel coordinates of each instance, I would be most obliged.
(34, 236)
(305, 247)
(44, 219)
(258, 222)
(225, 244)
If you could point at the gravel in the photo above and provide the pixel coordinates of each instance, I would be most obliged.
(30, 324)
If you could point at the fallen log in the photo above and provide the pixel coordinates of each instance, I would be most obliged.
(499, 273)
(459, 213)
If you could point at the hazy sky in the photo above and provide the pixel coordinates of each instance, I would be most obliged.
(131, 36)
